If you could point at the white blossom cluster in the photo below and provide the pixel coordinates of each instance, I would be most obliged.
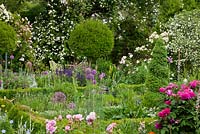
(184, 32)
(50, 35)
(4, 14)
(155, 35)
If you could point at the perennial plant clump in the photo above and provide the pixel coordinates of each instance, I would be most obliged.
(180, 112)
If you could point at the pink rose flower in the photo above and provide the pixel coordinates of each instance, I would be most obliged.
(67, 128)
(164, 113)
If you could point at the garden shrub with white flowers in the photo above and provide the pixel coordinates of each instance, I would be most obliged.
(184, 31)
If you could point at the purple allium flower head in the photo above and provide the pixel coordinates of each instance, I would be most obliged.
(90, 76)
(88, 70)
(59, 97)
(71, 105)
(12, 57)
(94, 72)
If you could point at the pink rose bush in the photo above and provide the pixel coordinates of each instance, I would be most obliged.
(179, 112)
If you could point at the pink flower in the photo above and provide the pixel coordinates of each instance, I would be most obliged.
(51, 126)
(186, 94)
(162, 89)
(90, 118)
(193, 83)
(78, 117)
(168, 102)
(12, 57)
(59, 117)
(67, 128)
(170, 59)
(158, 125)
(69, 117)
(110, 127)
(102, 75)
(169, 92)
(164, 113)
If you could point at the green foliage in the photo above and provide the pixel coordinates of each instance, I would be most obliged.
(169, 8)
(8, 38)
(151, 99)
(92, 39)
(158, 71)
(31, 9)
(103, 65)
(5, 124)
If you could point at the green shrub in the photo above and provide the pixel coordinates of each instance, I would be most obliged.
(139, 76)
(158, 71)
(92, 39)
(5, 125)
(7, 38)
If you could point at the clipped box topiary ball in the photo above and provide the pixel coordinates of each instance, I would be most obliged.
(91, 39)
(8, 38)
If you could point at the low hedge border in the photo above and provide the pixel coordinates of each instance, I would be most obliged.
(23, 113)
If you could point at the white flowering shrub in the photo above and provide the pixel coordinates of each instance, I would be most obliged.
(51, 30)
(184, 31)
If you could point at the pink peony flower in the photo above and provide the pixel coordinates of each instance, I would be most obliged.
(78, 117)
(59, 117)
(67, 128)
(164, 113)
(69, 117)
(110, 127)
(51, 126)
(90, 118)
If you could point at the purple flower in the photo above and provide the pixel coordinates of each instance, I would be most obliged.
(45, 72)
(88, 70)
(94, 82)
(170, 59)
(90, 76)
(71, 105)
(68, 72)
(102, 75)
(158, 125)
(12, 57)
(94, 72)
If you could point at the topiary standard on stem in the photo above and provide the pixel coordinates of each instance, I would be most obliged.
(158, 71)
(8, 38)
(91, 39)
